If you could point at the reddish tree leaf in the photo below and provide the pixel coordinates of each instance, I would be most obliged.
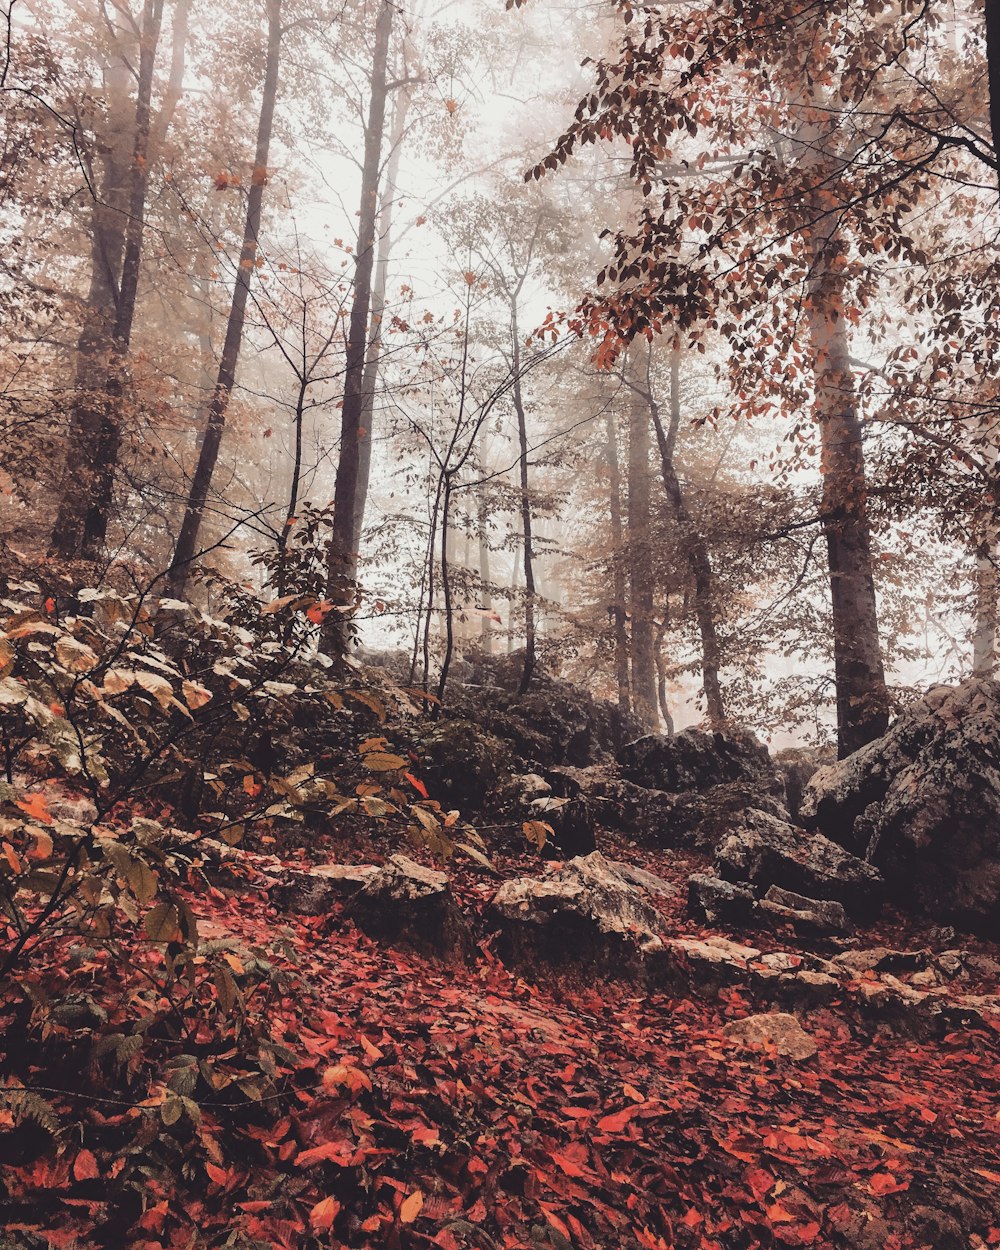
(85, 1166)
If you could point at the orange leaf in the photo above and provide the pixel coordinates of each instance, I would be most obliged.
(328, 1152)
(323, 1214)
(410, 1209)
(217, 1174)
(616, 1122)
(417, 784)
(85, 1166)
(252, 786)
(426, 1136)
(990, 1176)
(885, 1183)
(37, 807)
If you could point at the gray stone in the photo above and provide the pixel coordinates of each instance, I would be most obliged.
(714, 901)
(809, 916)
(405, 904)
(922, 803)
(766, 851)
(314, 891)
(588, 914)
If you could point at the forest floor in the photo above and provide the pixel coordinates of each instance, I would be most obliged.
(416, 1104)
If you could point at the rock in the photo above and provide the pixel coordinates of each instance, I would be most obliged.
(696, 760)
(647, 881)
(571, 821)
(923, 804)
(797, 766)
(775, 1031)
(701, 965)
(462, 764)
(587, 915)
(767, 851)
(406, 904)
(880, 959)
(554, 723)
(714, 901)
(809, 916)
(531, 786)
(314, 891)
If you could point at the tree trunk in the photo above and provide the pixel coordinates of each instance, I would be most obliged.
(640, 555)
(187, 542)
(862, 698)
(984, 639)
(342, 561)
(369, 384)
(95, 344)
(526, 535)
(617, 609)
(110, 436)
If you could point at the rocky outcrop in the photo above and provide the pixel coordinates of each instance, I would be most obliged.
(406, 904)
(699, 761)
(571, 822)
(461, 763)
(592, 915)
(314, 891)
(922, 803)
(764, 851)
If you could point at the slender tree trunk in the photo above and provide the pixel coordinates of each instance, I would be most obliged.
(617, 610)
(342, 562)
(110, 436)
(187, 542)
(984, 639)
(526, 535)
(984, 650)
(639, 547)
(95, 344)
(449, 622)
(369, 384)
(695, 549)
(862, 698)
(661, 681)
(485, 580)
(293, 488)
(515, 586)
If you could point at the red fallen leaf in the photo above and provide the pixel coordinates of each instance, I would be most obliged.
(885, 1183)
(417, 784)
(252, 1208)
(477, 1212)
(692, 1217)
(50, 606)
(37, 807)
(760, 1182)
(252, 786)
(990, 1176)
(555, 1221)
(85, 1166)
(778, 1214)
(323, 1214)
(217, 1174)
(615, 1122)
(446, 1240)
(328, 1152)
(567, 1165)
(426, 1136)
(371, 1050)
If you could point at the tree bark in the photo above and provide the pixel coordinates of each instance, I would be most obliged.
(187, 542)
(527, 541)
(862, 697)
(342, 560)
(110, 435)
(695, 548)
(617, 608)
(95, 344)
(369, 384)
(639, 547)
